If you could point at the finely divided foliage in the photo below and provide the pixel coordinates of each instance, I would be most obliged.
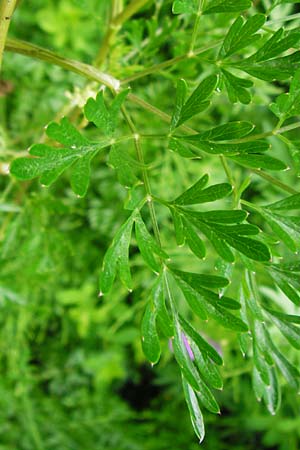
(252, 242)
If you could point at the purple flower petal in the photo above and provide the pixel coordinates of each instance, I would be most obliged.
(187, 346)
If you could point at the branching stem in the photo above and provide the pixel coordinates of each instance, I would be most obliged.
(94, 74)
(169, 63)
(275, 181)
(140, 157)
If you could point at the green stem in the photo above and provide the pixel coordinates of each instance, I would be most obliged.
(85, 70)
(7, 8)
(292, 126)
(227, 170)
(275, 181)
(114, 26)
(250, 205)
(146, 181)
(274, 132)
(158, 112)
(169, 63)
(116, 8)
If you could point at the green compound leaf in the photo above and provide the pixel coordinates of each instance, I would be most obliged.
(226, 6)
(288, 283)
(181, 94)
(104, 118)
(50, 162)
(150, 339)
(192, 194)
(147, 245)
(226, 319)
(257, 384)
(251, 248)
(157, 300)
(196, 194)
(285, 317)
(221, 216)
(125, 166)
(194, 409)
(287, 204)
(290, 332)
(227, 131)
(204, 347)
(241, 34)
(208, 370)
(203, 392)
(272, 395)
(197, 280)
(236, 88)
(288, 105)
(284, 227)
(259, 161)
(211, 143)
(193, 240)
(265, 63)
(288, 370)
(218, 243)
(290, 373)
(178, 226)
(163, 318)
(213, 305)
(262, 340)
(273, 69)
(196, 103)
(233, 235)
(250, 297)
(192, 298)
(260, 363)
(182, 149)
(276, 45)
(116, 258)
(207, 399)
(182, 354)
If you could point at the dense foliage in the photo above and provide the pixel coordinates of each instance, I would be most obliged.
(149, 239)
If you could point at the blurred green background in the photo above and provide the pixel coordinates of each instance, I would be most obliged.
(73, 375)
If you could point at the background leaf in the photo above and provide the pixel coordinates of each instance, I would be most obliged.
(226, 6)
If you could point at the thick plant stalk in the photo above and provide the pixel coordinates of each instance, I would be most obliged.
(116, 8)
(90, 72)
(6, 11)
